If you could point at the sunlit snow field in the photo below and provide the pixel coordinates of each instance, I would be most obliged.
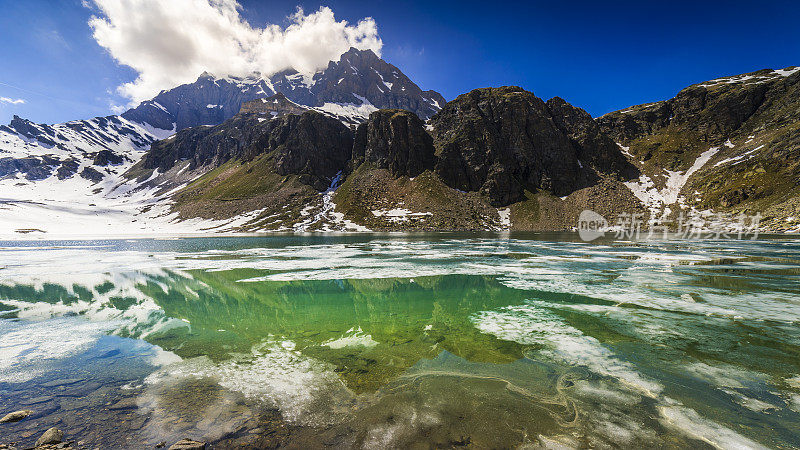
(400, 340)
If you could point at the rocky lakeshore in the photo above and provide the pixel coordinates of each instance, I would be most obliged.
(88, 415)
(115, 408)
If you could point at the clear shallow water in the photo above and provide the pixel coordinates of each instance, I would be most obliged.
(401, 340)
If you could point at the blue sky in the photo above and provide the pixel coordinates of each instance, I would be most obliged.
(601, 56)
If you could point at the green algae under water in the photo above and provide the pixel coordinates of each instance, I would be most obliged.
(403, 341)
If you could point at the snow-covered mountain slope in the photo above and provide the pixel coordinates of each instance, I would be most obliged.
(358, 80)
(88, 149)
(56, 178)
(66, 180)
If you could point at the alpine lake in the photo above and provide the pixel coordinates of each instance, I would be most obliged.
(402, 341)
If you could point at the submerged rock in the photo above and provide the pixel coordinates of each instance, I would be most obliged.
(188, 444)
(125, 403)
(36, 400)
(51, 436)
(61, 382)
(16, 416)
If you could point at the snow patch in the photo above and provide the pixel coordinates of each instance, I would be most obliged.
(397, 215)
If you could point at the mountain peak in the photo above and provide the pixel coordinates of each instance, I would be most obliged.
(357, 78)
(356, 52)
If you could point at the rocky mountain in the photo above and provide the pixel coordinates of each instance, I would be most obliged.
(348, 89)
(40, 164)
(504, 141)
(311, 145)
(503, 158)
(394, 140)
(359, 147)
(35, 152)
(486, 149)
(729, 145)
(359, 80)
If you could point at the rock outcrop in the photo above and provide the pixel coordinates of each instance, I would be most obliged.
(714, 109)
(32, 167)
(595, 147)
(312, 145)
(394, 140)
(107, 158)
(502, 142)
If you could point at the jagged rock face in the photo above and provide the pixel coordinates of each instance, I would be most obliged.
(366, 75)
(42, 133)
(595, 147)
(629, 124)
(312, 145)
(395, 140)
(82, 135)
(357, 77)
(189, 144)
(502, 141)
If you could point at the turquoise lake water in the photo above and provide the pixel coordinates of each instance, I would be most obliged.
(406, 340)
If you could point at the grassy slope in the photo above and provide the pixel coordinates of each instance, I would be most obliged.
(238, 187)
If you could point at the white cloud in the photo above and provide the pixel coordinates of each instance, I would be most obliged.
(12, 101)
(117, 109)
(172, 42)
